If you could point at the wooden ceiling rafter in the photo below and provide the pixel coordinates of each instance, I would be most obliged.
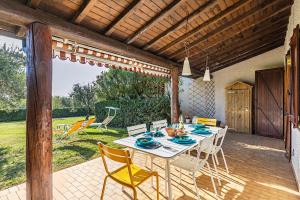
(158, 27)
(281, 8)
(248, 44)
(243, 43)
(248, 55)
(210, 21)
(160, 16)
(134, 5)
(83, 11)
(181, 23)
(238, 54)
(33, 3)
(22, 15)
(265, 28)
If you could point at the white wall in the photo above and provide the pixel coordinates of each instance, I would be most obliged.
(243, 71)
(293, 21)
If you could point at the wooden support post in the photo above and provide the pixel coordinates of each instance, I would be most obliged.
(174, 95)
(39, 112)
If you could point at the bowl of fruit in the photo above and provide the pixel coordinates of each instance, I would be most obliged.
(171, 132)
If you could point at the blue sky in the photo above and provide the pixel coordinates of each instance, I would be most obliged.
(65, 73)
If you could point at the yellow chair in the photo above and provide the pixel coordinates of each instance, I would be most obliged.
(74, 128)
(129, 175)
(207, 121)
(87, 123)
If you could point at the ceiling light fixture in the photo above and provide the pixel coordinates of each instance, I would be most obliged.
(186, 70)
(206, 77)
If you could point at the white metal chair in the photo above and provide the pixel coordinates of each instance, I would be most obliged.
(160, 124)
(218, 142)
(195, 164)
(135, 130)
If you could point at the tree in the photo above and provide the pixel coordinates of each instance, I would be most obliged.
(12, 77)
(61, 102)
(117, 84)
(84, 96)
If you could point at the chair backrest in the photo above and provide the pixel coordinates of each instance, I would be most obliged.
(117, 155)
(133, 130)
(160, 124)
(77, 125)
(219, 137)
(207, 121)
(204, 146)
(88, 123)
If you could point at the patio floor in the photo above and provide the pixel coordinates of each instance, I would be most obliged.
(257, 165)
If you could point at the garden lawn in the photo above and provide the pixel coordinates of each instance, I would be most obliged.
(77, 149)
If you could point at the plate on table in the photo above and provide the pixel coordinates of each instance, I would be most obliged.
(144, 141)
(185, 139)
(198, 126)
(202, 132)
(147, 143)
(156, 134)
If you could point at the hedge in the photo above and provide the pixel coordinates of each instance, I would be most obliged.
(135, 111)
(20, 114)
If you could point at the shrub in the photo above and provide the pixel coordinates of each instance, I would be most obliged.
(20, 114)
(135, 111)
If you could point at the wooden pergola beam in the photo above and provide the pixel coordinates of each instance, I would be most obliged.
(160, 16)
(248, 55)
(134, 5)
(282, 6)
(83, 11)
(210, 21)
(21, 15)
(175, 95)
(181, 23)
(258, 30)
(39, 113)
(246, 45)
(243, 55)
(261, 31)
(33, 3)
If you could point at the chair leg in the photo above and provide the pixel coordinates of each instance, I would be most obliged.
(195, 184)
(212, 178)
(217, 160)
(146, 160)
(132, 154)
(226, 167)
(151, 164)
(180, 173)
(157, 187)
(216, 170)
(134, 194)
(103, 187)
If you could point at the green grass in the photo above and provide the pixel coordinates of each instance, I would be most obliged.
(79, 148)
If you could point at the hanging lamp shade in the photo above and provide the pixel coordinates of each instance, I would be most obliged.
(206, 75)
(186, 71)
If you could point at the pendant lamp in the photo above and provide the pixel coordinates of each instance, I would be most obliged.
(186, 69)
(207, 73)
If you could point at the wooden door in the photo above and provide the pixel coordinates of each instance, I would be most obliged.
(269, 102)
(238, 107)
(287, 104)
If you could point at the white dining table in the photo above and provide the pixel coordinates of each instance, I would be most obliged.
(167, 151)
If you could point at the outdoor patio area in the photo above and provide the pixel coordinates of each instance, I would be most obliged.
(258, 170)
